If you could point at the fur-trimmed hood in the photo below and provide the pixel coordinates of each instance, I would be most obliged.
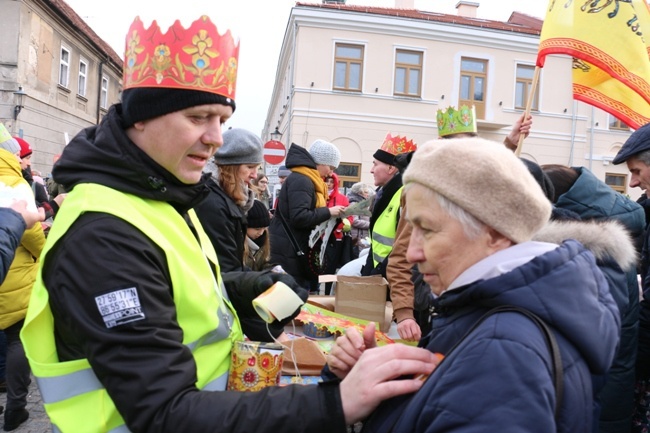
(605, 239)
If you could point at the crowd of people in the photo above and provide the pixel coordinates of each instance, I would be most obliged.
(517, 281)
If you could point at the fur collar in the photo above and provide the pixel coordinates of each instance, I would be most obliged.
(605, 239)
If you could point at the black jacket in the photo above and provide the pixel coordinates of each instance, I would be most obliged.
(225, 224)
(146, 369)
(297, 205)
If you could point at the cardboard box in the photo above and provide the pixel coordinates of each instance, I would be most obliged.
(363, 298)
(326, 302)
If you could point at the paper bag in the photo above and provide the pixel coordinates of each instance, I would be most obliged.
(363, 298)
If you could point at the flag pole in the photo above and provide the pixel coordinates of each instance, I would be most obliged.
(529, 105)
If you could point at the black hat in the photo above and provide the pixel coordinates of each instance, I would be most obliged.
(143, 103)
(636, 143)
(542, 178)
(258, 216)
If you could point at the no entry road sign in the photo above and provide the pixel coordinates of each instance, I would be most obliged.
(274, 152)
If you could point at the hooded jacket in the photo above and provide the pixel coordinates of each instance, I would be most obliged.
(592, 199)
(297, 205)
(17, 286)
(615, 255)
(499, 378)
(153, 387)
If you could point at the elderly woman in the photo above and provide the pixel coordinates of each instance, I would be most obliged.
(474, 208)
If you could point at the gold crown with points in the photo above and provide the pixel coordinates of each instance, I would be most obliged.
(196, 58)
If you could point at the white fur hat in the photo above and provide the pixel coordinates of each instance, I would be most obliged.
(485, 179)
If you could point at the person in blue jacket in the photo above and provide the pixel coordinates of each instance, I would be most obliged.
(578, 190)
(13, 222)
(474, 208)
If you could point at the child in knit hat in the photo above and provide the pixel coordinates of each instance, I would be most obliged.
(257, 250)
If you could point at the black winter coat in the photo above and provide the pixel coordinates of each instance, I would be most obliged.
(297, 205)
(225, 224)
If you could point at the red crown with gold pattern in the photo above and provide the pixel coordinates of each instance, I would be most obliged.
(196, 58)
(397, 145)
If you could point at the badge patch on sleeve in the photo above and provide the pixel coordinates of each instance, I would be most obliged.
(120, 307)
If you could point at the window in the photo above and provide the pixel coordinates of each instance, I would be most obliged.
(348, 66)
(103, 98)
(616, 181)
(348, 174)
(408, 73)
(83, 72)
(523, 85)
(616, 124)
(473, 79)
(64, 67)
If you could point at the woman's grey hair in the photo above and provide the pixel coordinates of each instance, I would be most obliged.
(472, 227)
(362, 188)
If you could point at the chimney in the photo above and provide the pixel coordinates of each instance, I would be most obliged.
(467, 9)
(404, 4)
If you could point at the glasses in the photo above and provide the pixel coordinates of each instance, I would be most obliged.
(264, 181)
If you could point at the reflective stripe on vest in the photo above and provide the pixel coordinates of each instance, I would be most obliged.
(74, 398)
(382, 237)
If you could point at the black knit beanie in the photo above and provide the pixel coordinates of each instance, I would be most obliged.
(542, 178)
(144, 103)
(258, 216)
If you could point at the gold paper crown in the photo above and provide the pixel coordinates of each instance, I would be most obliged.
(451, 121)
(396, 145)
(197, 58)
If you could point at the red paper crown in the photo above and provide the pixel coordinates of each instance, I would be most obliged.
(397, 145)
(198, 58)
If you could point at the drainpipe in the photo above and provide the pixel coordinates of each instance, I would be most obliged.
(99, 90)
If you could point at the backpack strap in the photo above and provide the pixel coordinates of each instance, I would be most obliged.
(551, 344)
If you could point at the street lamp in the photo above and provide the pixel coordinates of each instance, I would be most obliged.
(18, 98)
(276, 135)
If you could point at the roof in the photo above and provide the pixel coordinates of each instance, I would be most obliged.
(69, 15)
(518, 22)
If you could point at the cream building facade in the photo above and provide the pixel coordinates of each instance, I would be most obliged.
(352, 74)
(67, 74)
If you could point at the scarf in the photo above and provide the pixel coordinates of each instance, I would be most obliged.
(319, 184)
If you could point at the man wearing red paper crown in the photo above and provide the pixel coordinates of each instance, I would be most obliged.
(131, 324)
(385, 209)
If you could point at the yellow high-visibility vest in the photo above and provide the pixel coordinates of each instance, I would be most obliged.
(383, 233)
(75, 400)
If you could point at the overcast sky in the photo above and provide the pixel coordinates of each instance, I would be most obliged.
(260, 27)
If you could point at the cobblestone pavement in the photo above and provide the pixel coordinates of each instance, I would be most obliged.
(38, 421)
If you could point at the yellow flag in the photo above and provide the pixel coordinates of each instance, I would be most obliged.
(610, 43)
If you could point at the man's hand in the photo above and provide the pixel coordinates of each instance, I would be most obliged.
(243, 287)
(409, 330)
(31, 217)
(371, 380)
